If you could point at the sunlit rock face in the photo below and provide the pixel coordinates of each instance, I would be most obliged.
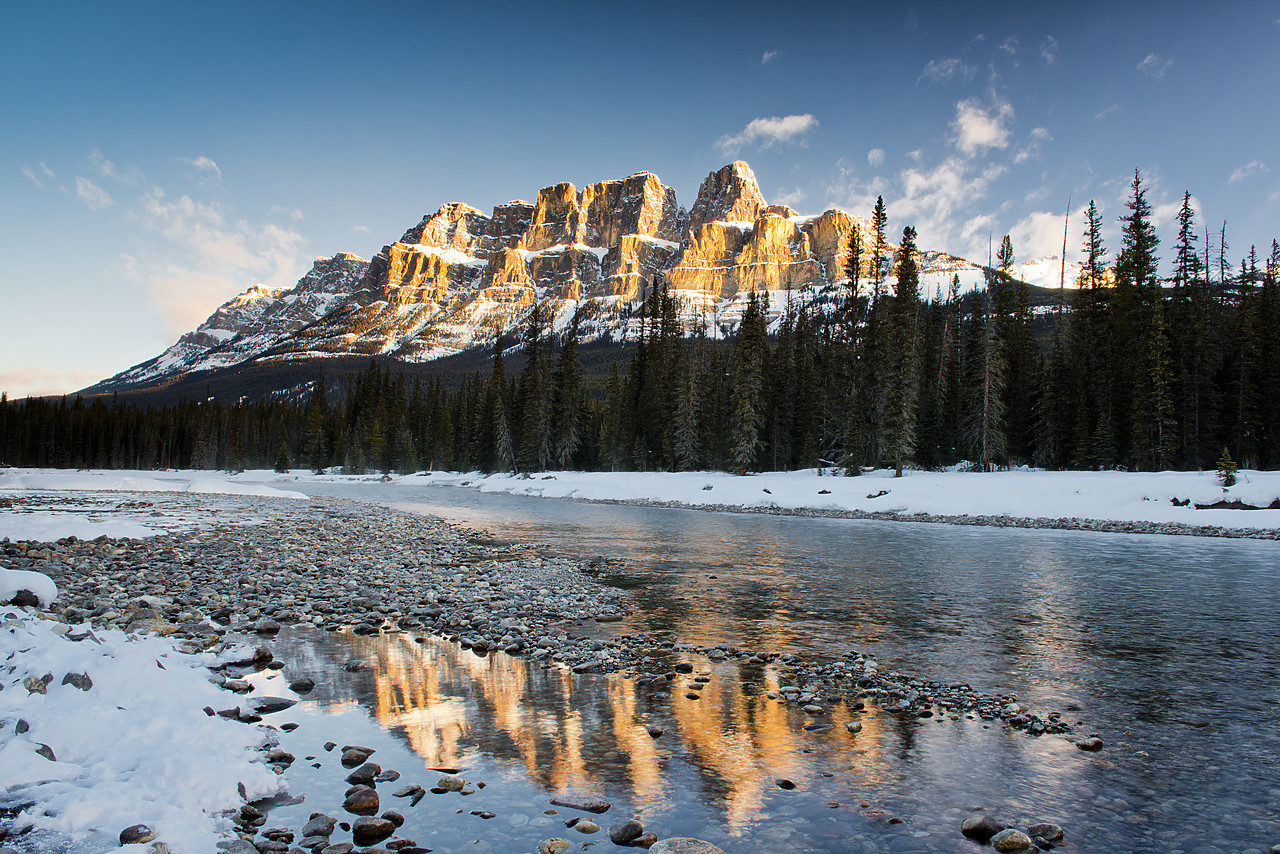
(460, 277)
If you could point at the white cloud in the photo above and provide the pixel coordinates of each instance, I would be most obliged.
(199, 257)
(1253, 167)
(93, 195)
(875, 157)
(362, 229)
(978, 127)
(1049, 50)
(1031, 151)
(1040, 233)
(769, 56)
(106, 169)
(35, 179)
(294, 214)
(790, 198)
(207, 174)
(1010, 45)
(1114, 108)
(945, 70)
(768, 132)
(1154, 66)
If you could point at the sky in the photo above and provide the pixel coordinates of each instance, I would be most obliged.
(157, 159)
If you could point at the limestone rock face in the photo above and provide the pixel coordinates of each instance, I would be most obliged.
(730, 194)
(460, 276)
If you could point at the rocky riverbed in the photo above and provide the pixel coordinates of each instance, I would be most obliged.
(235, 568)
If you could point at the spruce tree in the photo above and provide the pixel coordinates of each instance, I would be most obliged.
(902, 385)
(747, 392)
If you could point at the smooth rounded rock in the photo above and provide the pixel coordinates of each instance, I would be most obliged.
(554, 845)
(361, 802)
(368, 830)
(1046, 831)
(683, 845)
(137, 834)
(626, 832)
(1011, 840)
(980, 828)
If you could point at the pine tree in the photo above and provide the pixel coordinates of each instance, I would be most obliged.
(567, 399)
(982, 425)
(282, 457)
(747, 391)
(902, 381)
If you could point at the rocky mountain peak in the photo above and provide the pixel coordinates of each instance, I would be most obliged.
(730, 194)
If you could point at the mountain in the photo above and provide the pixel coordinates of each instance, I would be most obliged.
(460, 277)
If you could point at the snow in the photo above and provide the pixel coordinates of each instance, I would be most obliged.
(136, 747)
(14, 580)
(1022, 493)
(48, 525)
(36, 480)
(450, 256)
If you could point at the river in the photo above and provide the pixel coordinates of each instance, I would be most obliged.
(1164, 646)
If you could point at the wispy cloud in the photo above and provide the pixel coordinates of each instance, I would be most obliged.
(769, 56)
(978, 127)
(875, 158)
(45, 174)
(92, 195)
(206, 174)
(1253, 167)
(1155, 66)
(790, 198)
(197, 256)
(1031, 150)
(767, 132)
(362, 229)
(1049, 50)
(1010, 45)
(1106, 111)
(35, 179)
(946, 70)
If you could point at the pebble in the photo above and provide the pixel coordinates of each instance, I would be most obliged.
(136, 834)
(626, 832)
(1011, 840)
(683, 845)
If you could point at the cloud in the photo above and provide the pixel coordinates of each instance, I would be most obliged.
(978, 127)
(1049, 50)
(790, 198)
(362, 229)
(945, 70)
(875, 157)
(769, 56)
(1039, 234)
(1031, 151)
(93, 195)
(45, 173)
(1114, 108)
(31, 381)
(1253, 167)
(207, 174)
(197, 256)
(1154, 66)
(766, 133)
(35, 179)
(294, 214)
(106, 169)
(1010, 45)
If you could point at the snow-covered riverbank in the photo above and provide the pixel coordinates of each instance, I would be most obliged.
(1159, 498)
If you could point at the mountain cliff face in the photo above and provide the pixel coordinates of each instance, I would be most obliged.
(460, 276)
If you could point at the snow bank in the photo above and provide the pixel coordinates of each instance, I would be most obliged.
(133, 747)
(47, 526)
(14, 580)
(36, 480)
(1107, 496)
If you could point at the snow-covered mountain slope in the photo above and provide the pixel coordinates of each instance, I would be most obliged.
(460, 276)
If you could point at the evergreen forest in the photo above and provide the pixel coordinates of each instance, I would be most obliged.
(1128, 370)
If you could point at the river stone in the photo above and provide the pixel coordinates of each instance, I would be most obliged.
(980, 828)
(78, 680)
(594, 805)
(270, 705)
(353, 756)
(683, 845)
(319, 825)
(654, 730)
(554, 845)
(304, 685)
(236, 846)
(645, 840)
(1092, 744)
(361, 802)
(394, 817)
(365, 773)
(340, 848)
(137, 834)
(626, 832)
(1046, 831)
(450, 783)
(587, 826)
(1011, 840)
(368, 830)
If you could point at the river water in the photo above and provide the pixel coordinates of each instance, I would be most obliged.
(1163, 646)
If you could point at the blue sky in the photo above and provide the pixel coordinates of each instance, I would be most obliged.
(159, 158)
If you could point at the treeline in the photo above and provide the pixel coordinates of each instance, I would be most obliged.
(1128, 370)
